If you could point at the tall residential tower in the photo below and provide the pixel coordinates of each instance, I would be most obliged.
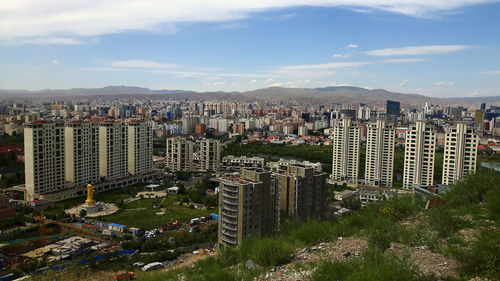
(460, 152)
(345, 151)
(44, 158)
(419, 155)
(379, 154)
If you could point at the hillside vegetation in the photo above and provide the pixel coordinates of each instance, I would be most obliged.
(396, 239)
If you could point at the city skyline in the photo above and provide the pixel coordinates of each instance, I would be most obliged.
(444, 49)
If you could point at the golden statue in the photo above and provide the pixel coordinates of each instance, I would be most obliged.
(90, 194)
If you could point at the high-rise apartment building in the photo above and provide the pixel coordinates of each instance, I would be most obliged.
(81, 152)
(393, 109)
(379, 154)
(44, 158)
(246, 206)
(179, 154)
(345, 151)
(140, 147)
(189, 124)
(210, 153)
(113, 150)
(419, 155)
(301, 191)
(460, 152)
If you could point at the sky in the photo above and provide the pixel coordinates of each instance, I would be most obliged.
(445, 48)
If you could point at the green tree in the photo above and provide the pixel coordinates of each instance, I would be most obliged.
(83, 213)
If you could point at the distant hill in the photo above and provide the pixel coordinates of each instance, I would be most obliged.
(109, 90)
(326, 95)
(354, 95)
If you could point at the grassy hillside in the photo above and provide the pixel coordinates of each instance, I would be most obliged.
(463, 232)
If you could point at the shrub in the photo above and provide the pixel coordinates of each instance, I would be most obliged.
(311, 232)
(473, 188)
(483, 257)
(227, 256)
(373, 266)
(267, 251)
(382, 232)
(444, 222)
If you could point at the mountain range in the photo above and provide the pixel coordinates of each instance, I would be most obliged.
(326, 95)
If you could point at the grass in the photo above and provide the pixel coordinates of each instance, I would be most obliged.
(132, 212)
(110, 196)
(375, 265)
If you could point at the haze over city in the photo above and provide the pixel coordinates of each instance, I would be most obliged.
(442, 49)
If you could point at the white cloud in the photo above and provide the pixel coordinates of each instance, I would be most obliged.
(55, 61)
(349, 64)
(277, 84)
(402, 83)
(346, 55)
(103, 69)
(418, 50)
(444, 83)
(490, 72)
(233, 25)
(40, 41)
(253, 81)
(352, 46)
(329, 65)
(141, 64)
(402, 60)
(53, 18)
(336, 84)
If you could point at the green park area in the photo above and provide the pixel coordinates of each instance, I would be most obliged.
(139, 213)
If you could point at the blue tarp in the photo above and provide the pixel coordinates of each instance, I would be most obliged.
(98, 257)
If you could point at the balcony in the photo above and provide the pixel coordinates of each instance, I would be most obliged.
(229, 227)
(231, 195)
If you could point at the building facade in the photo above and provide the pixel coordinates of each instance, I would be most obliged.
(81, 152)
(210, 153)
(460, 152)
(301, 192)
(235, 163)
(140, 147)
(113, 150)
(419, 155)
(379, 154)
(345, 151)
(44, 158)
(179, 154)
(246, 206)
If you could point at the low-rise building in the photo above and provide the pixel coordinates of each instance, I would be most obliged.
(235, 163)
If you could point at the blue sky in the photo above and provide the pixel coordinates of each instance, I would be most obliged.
(450, 48)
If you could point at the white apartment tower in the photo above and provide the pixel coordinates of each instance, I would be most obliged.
(179, 156)
(379, 154)
(140, 147)
(345, 151)
(113, 146)
(460, 152)
(419, 155)
(81, 152)
(210, 153)
(44, 158)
